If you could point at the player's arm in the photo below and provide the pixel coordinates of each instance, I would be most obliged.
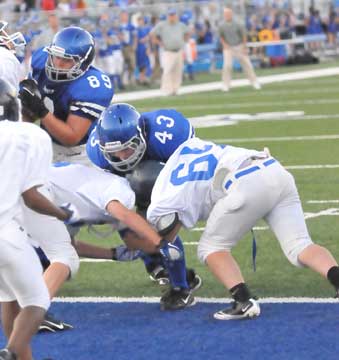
(149, 238)
(39, 203)
(68, 133)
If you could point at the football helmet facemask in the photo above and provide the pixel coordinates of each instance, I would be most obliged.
(119, 129)
(11, 41)
(72, 43)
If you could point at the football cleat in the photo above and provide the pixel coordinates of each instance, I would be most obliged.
(159, 275)
(5, 354)
(336, 294)
(194, 280)
(239, 310)
(53, 325)
(177, 299)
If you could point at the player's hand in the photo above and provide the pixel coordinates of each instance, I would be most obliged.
(123, 253)
(170, 252)
(73, 215)
(31, 99)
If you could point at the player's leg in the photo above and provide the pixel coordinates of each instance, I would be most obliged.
(21, 275)
(230, 219)
(288, 223)
(52, 236)
(214, 249)
(179, 295)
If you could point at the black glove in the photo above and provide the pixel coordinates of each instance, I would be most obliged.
(31, 99)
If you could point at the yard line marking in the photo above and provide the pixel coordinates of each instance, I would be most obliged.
(307, 215)
(309, 167)
(212, 86)
(276, 138)
(154, 299)
(322, 201)
(255, 104)
(216, 120)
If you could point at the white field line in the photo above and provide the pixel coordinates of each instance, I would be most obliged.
(276, 138)
(152, 300)
(298, 75)
(322, 202)
(256, 104)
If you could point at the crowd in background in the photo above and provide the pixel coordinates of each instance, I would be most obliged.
(126, 23)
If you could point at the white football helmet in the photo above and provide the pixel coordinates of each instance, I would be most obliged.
(11, 41)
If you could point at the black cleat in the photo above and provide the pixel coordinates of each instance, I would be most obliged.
(5, 354)
(53, 325)
(194, 280)
(177, 299)
(239, 310)
(336, 294)
(159, 275)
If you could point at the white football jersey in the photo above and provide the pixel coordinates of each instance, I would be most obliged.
(185, 183)
(90, 190)
(10, 69)
(25, 159)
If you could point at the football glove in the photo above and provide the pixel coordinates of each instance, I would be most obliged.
(73, 215)
(31, 99)
(122, 253)
(169, 251)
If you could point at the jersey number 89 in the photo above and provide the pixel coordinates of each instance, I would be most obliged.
(95, 82)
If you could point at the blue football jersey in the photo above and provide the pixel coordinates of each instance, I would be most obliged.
(86, 96)
(164, 131)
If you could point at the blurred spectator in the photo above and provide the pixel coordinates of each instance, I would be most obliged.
(20, 6)
(111, 52)
(155, 55)
(314, 27)
(233, 40)
(172, 35)
(64, 6)
(129, 43)
(190, 52)
(332, 29)
(143, 51)
(46, 36)
(47, 5)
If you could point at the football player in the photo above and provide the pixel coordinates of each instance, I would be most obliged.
(66, 93)
(101, 197)
(25, 159)
(232, 188)
(123, 139)
(10, 69)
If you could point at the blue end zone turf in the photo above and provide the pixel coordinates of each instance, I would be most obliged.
(137, 331)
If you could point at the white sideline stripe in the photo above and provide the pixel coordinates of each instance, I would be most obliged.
(151, 300)
(297, 75)
(308, 167)
(322, 201)
(276, 138)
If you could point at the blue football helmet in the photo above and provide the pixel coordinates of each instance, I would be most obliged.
(119, 129)
(11, 41)
(72, 43)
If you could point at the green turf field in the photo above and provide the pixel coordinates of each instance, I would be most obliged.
(274, 275)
